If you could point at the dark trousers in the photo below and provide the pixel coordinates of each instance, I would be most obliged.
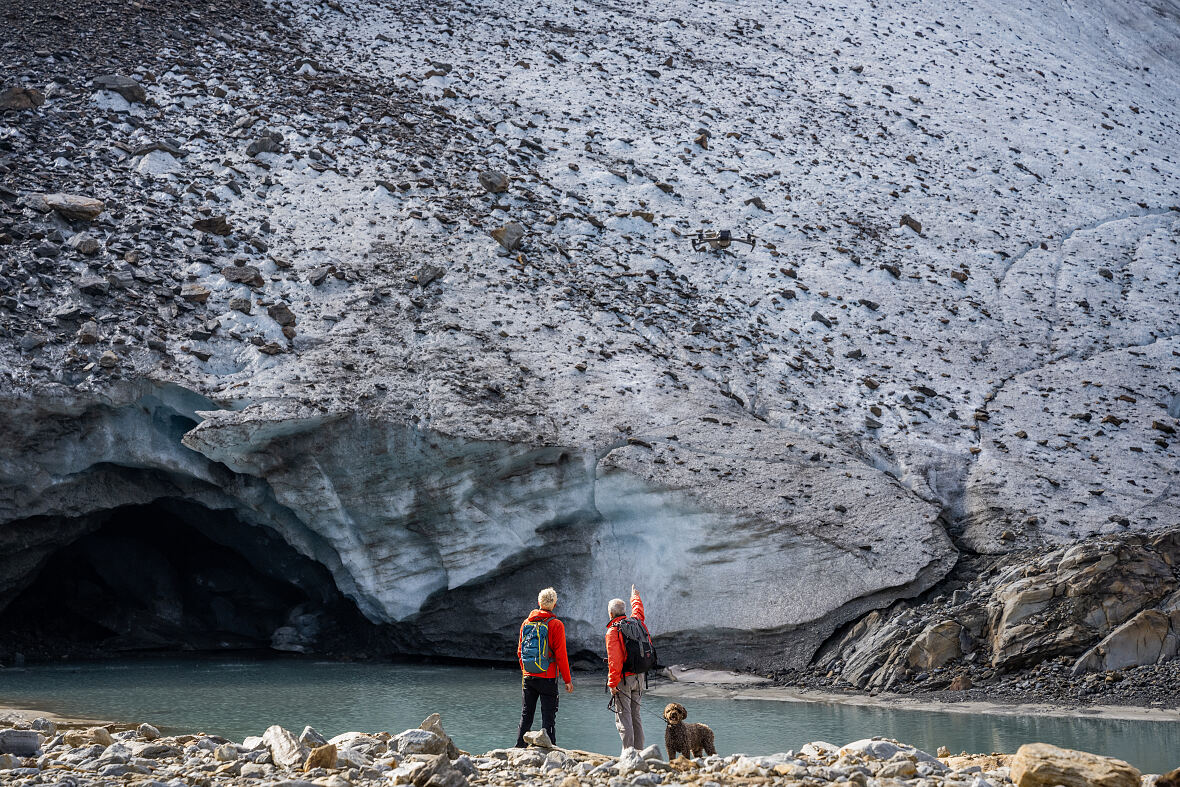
(531, 689)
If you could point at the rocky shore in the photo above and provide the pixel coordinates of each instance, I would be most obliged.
(35, 752)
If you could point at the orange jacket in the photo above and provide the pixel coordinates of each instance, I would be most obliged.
(556, 646)
(616, 652)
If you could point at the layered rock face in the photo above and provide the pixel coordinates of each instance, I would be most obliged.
(439, 329)
(1108, 604)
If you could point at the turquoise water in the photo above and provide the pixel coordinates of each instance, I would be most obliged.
(481, 707)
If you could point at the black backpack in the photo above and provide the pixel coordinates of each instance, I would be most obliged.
(641, 653)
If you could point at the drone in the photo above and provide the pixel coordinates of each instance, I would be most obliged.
(716, 240)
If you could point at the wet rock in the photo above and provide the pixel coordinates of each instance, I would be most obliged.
(1043, 765)
(125, 86)
(75, 206)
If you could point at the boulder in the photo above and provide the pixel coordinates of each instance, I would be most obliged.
(285, 748)
(321, 757)
(75, 207)
(1066, 601)
(22, 743)
(630, 761)
(311, 737)
(243, 274)
(214, 225)
(18, 97)
(538, 738)
(418, 742)
(147, 732)
(281, 313)
(1044, 765)
(100, 735)
(125, 86)
(438, 772)
(1146, 638)
(936, 645)
(509, 236)
(433, 723)
(268, 142)
(84, 243)
(960, 683)
(493, 182)
(884, 749)
(195, 292)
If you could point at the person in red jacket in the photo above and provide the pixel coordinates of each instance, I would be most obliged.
(624, 686)
(541, 652)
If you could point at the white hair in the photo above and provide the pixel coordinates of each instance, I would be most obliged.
(616, 607)
(547, 599)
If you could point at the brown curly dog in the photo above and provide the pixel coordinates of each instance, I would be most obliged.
(691, 740)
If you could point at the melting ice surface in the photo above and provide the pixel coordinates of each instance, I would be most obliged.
(481, 706)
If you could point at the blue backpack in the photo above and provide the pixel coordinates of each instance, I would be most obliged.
(534, 646)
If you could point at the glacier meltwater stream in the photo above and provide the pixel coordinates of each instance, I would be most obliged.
(480, 708)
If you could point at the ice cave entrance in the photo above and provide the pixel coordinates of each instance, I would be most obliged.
(174, 575)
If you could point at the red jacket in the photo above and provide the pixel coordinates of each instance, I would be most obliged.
(556, 646)
(616, 652)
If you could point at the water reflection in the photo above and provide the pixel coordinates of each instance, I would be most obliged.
(480, 708)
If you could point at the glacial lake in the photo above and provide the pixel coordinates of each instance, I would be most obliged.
(481, 707)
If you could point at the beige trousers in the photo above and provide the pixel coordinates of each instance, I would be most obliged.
(627, 719)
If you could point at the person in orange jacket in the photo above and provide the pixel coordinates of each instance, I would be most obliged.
(541, 652)
(624, 686)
